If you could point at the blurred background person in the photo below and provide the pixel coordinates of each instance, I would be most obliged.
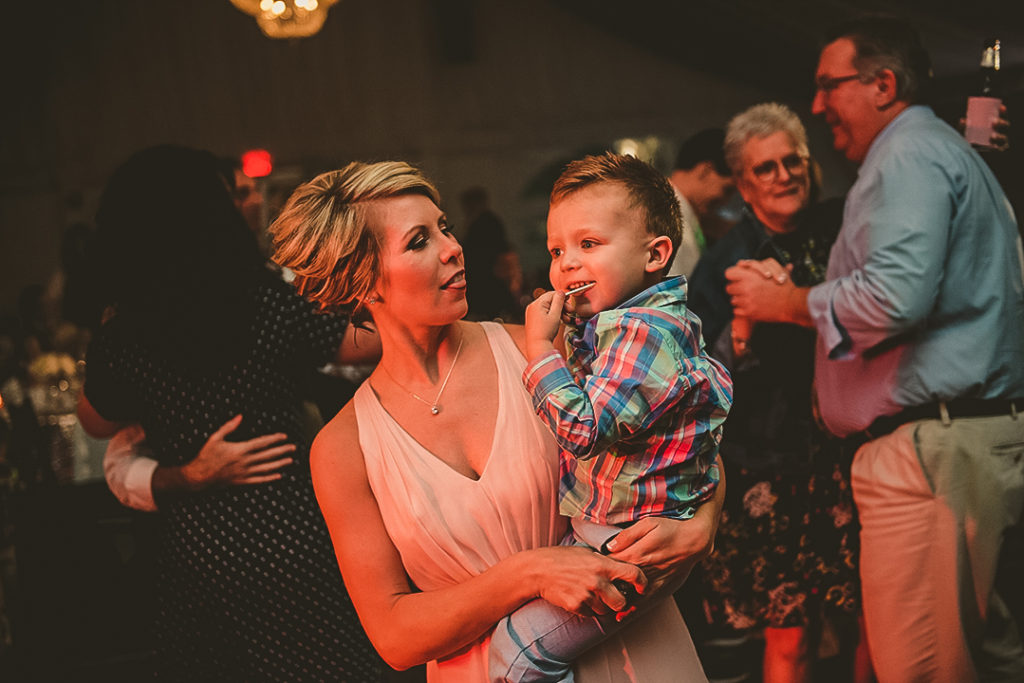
(200, 332)
(785, 563)
(493, 271)
(703, 183)
(923, 369)
(246, 193)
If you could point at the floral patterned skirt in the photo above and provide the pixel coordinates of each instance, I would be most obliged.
(786, 550)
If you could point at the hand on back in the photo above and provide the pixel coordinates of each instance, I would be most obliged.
(221, 462)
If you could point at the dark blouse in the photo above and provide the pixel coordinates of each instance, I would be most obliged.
(771, 419)
(249, 588)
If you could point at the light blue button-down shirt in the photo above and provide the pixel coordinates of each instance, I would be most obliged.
(924, 295)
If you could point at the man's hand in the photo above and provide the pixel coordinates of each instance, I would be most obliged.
(1000, 140)
(763, 292)
(222, 462)
(543, 318)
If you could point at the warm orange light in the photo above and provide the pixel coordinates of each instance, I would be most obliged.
(257, 163)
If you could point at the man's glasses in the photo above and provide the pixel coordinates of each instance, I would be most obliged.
(827, 84)
(768, 171)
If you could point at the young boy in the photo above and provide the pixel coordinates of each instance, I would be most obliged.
(637, 408)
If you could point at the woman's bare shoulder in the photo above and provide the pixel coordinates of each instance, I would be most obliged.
(338, 441)
(518, 334)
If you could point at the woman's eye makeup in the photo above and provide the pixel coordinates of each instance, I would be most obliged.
(418, 241)
(422, 236)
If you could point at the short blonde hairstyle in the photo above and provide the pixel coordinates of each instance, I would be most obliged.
(760, 121)
(323, 236)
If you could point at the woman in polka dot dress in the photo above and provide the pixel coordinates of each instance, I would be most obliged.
(249, 589)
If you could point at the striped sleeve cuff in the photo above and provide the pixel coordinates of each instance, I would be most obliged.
(545, 375)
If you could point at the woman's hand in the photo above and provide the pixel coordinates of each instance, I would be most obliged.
(222, 462)
(741, 331)
(580, 580)
(667, 549)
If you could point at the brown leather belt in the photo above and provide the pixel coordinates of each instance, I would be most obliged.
(957, 408)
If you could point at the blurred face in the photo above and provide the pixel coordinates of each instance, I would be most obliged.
(774, 179)
(594, 235)
(848, 105)
(422, 274)
(248, 199)
(715, 191)
(720, 188)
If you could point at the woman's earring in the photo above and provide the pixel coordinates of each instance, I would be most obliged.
(371, 300)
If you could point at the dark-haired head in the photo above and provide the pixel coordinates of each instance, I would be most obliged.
(889, 42)
(705, 145)
(175, 257)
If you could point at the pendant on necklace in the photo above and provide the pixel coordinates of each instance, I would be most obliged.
(435, 409)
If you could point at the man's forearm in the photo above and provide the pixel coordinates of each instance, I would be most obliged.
(796, 308)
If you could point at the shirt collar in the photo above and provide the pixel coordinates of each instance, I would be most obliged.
(913, 113)
(668, 291)
(759, 227)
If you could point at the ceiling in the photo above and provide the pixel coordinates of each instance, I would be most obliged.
(775, 44)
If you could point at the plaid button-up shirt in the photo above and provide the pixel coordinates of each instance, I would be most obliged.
(637, 410)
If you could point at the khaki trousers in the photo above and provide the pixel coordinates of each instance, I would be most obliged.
(934, 500)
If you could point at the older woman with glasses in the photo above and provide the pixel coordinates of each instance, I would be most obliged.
(786, 549)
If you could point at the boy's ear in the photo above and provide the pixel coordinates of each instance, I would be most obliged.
(659, 254)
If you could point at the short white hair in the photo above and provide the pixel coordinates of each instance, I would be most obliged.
(760, 121)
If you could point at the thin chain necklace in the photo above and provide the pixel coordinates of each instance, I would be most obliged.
(435, 407)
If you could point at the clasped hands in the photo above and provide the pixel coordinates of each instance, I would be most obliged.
(761, 291)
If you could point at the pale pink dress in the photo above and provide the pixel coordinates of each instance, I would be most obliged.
(448, 527)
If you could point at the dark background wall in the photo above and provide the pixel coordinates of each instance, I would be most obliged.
(490, 93)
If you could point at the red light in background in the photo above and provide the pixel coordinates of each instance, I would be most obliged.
(257, 163)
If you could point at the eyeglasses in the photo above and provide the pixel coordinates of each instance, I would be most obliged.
(826, 84)
(768, 171)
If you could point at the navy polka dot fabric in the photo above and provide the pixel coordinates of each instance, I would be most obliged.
(249, 589)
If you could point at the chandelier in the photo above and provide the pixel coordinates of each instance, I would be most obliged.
(287, 18)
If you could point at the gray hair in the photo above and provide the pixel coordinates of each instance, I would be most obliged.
(760, 121)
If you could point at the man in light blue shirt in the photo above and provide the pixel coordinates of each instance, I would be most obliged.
(921, 352)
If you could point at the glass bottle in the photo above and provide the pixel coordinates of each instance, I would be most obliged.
(983, 108)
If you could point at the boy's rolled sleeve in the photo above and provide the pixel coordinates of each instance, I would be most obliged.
(561, 403)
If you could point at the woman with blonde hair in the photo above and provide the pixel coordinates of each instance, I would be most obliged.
(438, 482)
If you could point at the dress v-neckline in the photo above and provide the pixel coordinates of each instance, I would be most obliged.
(430, 455)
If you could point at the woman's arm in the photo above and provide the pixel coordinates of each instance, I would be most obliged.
(408, 627)
(92, 422)
(667, 549)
